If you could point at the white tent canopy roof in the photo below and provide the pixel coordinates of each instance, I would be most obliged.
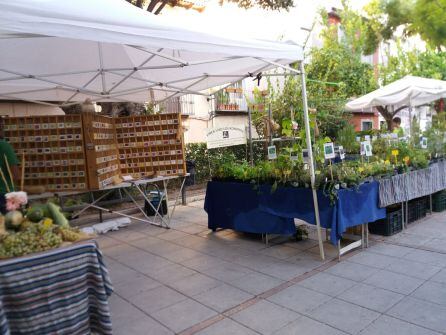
(110, 50)
(408, 91)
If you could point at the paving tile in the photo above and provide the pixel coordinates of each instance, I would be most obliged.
(431, 291)
(307, 326)
(371, 259)
(394, 282)
(142, 326)
(422, 313)
(307, 260)
(352, 271)
(440, 277)
(182, 255)
(172, 235)
(135, 285)
(280, 251)
(428, 257)
(327, 284)
(436, 244)
(157, 246)
(344, 316)
(203, 262)
(265, 317)
(302, 245)
(183, 315)
(371, 297)
(227, 272)
(389, 249)
(147, 263)
(299, 299)
(413, 269)
(156, 299)
(195, 284)
(192, 241)
(106, 242)
(192, 229)
(385, 325)
(127, 319)
(256, 283)
(172, 273)
(226, 327)
(330, 250)
(126, 235)
(223, 297)
(119, 272)
(414, 240)
(284, 270)
(121, 252)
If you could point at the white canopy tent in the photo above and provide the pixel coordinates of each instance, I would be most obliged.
(409, 91)
(109, 50)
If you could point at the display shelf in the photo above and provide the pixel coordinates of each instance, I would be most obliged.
(53, 148)
(101, 150)
(150, 145)
(88, 151)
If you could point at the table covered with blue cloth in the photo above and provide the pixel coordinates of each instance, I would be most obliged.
(245, 208)
(61, 291)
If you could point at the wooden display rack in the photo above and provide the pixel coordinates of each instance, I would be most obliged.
(88, 151)
(150, 145)
(101, 150)
(53, 147)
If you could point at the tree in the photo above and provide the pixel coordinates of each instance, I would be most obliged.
(427, 64)
(265, 4)
(423, 17)
(335, 73)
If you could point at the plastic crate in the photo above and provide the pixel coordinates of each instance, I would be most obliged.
(439, 201)
(417, 209)
(392, 224)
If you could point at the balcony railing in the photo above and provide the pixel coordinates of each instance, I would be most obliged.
(184, 105)
(231, 99)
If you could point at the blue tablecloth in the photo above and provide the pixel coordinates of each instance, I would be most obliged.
(241, 207)
(61, 291)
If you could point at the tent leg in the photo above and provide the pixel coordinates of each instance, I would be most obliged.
(310, 156)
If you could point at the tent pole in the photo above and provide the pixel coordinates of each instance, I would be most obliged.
(410, 119)
(310, 156)
(251, 153)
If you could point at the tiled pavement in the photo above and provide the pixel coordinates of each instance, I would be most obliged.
(187, 280)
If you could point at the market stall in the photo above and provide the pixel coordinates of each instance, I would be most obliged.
(264, 211)
(408, 92)
(118, 54)
(123, 54)
(60, 291)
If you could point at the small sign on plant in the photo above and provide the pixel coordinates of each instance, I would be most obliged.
(329, 151)
(272, 154)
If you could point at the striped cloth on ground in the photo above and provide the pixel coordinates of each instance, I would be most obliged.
(61, 291)
(413, 184)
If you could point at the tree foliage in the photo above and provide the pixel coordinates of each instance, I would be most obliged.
(265, 4)
(423, 17)
(335, 73)
(427, 64)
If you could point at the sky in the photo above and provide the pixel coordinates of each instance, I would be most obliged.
(255, 22)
